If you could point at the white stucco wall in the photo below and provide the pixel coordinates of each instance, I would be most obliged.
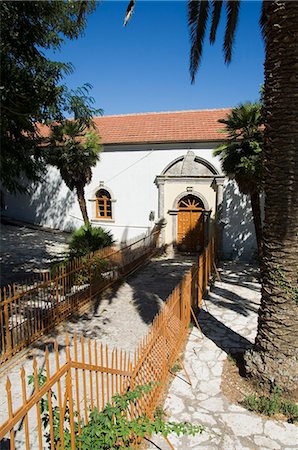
(238, 232)
(129, 172)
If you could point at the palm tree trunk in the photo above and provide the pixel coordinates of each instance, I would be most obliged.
(256, 211)
(274, 359)
(82, 203)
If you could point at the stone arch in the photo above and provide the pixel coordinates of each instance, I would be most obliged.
(104, 187)
(190, 165)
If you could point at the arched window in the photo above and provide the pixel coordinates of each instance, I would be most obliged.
(103, 204)
(190, 202)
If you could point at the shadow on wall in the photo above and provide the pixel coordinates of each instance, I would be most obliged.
(48, 203)
(238, 233)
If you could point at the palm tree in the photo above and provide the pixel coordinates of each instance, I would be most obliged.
(274, 359)
(241, 156)
(74, 149)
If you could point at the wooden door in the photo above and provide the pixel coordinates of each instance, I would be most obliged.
(190, 233)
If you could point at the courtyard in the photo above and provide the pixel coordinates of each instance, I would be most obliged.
(159, 140)
(25, 250)
(228, 320)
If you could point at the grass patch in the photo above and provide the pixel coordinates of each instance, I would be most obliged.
(176, 368)
(232, 358)
(272, 405)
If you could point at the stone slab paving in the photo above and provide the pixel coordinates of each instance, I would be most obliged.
(25, 250)
(120, 317)
(228, 321)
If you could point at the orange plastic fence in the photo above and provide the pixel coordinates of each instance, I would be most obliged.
(29, 310)
(88, 375)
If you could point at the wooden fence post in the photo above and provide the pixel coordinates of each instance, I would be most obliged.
(10, 412)
(200, 280)
(6, 321)
(69, 395)
(206, 268)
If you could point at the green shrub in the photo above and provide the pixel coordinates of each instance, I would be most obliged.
(271, 405)
(112, 428)
(92, 271)
(87, 239)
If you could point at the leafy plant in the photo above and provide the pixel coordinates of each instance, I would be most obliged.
(44, 412)
(271, 405)
(87, 239)
(92, 270)
(114, 427)
(32, 88)
(176, 368)
(241, 156)
(74, 149)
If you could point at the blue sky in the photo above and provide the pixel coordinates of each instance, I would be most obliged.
(144, 67)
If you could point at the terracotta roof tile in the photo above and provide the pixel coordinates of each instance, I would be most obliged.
(159, 127)
(162, 127)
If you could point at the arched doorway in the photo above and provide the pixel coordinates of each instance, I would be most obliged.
(190, 221)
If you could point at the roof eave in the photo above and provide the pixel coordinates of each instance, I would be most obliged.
(182, 141)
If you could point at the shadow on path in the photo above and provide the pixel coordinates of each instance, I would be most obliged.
(222, 336)
(240, 274)
(25, 251)
(156, 282)
(230, 300)
(146, 290)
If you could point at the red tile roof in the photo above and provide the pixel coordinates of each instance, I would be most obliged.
(159, 127)
(162, 127)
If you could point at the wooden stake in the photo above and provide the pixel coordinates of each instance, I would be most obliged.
(196, 321)
(216, 271)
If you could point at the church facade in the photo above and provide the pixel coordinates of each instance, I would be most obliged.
(154, 166)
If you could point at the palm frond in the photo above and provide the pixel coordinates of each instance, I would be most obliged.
(129, 12)
(82, 10)
(232, 19)
(263, 18)
(216, 11)
(240, 154)
(197, 21)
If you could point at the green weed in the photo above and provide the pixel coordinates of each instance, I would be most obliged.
(272, 405)
(112, 428)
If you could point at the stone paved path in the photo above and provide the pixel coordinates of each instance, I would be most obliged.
(119, 318)
(228, 321)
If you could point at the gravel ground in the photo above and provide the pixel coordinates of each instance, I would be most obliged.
(25, 250)
(122, 315)
(119, 318)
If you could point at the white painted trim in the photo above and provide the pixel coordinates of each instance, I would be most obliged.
(194, 179)
(181, 146)
(105, 221)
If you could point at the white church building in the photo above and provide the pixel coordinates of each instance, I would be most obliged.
(153, 166)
